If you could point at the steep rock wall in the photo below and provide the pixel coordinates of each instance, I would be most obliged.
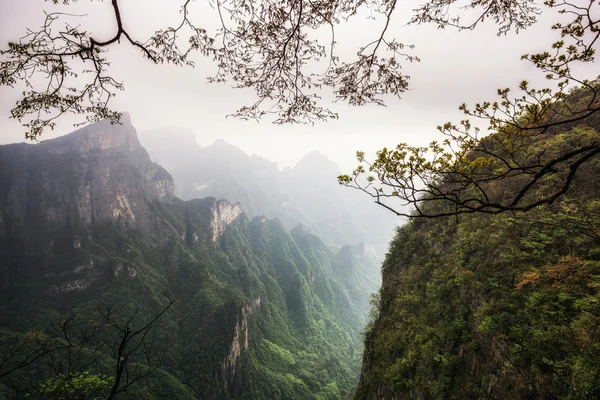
(54, 192)
(232, 362)
(207, 219)
(98, 173)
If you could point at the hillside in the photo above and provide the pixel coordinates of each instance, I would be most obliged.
(89, 220)
(504, 306)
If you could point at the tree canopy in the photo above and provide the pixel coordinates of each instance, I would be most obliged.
(71, 348)
(271, 46)
(461, 173)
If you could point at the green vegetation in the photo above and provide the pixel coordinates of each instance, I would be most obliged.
(79, 385)
(262, 313)
(495, 305)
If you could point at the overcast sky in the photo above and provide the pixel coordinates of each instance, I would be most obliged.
(455, 67)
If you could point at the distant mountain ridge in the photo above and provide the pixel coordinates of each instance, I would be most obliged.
(308, 193)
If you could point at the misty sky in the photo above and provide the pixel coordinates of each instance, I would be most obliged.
(455, 67)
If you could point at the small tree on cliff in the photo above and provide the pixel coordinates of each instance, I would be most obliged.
(268, 45)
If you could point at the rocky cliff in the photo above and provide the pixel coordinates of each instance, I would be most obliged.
(89, 219)
(55, 193)
(98, 173)
(503, 306)
(207, 219)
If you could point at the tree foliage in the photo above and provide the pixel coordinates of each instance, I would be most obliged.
(267, 46)
(69, 350)
(81, 385)
(460, 171)
(492, 306)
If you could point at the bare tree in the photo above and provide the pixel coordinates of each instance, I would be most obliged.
(69, 351)
(18, 351)
(130, 342)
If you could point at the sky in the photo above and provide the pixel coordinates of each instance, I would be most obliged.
(455, 67)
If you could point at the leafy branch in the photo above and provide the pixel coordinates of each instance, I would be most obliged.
(460, 174)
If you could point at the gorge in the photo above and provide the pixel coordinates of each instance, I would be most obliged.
(260, 311)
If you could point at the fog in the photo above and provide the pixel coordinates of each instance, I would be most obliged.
(455, 67)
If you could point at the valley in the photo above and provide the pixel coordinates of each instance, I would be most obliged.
(260, 310)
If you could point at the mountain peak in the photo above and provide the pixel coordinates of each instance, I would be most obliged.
(316, 155)
(316, 158)
(315, 166)
(97, 173)
(222, 142)
(101, 135)
(224, 146)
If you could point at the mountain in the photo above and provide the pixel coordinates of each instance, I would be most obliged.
(88, 222)
(308, 193)
(503, 306)
(358, 268)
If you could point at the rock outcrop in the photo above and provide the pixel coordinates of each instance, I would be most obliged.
(98, 173)
(239, 343)
(207, 219)
(223, 214)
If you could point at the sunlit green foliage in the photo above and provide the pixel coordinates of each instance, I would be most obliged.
(494, 306)
(82, 385)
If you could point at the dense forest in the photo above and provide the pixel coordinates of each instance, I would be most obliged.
(500, 306)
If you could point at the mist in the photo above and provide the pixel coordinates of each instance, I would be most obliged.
(455, 67)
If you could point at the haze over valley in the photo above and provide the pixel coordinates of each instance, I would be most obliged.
(299, 200)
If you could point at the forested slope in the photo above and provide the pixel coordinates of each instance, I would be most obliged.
(503, 306)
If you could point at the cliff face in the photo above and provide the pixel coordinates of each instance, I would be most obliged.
(98, 173)
(239, 344)
(54, 194)
(260, 313)
(207, 219)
